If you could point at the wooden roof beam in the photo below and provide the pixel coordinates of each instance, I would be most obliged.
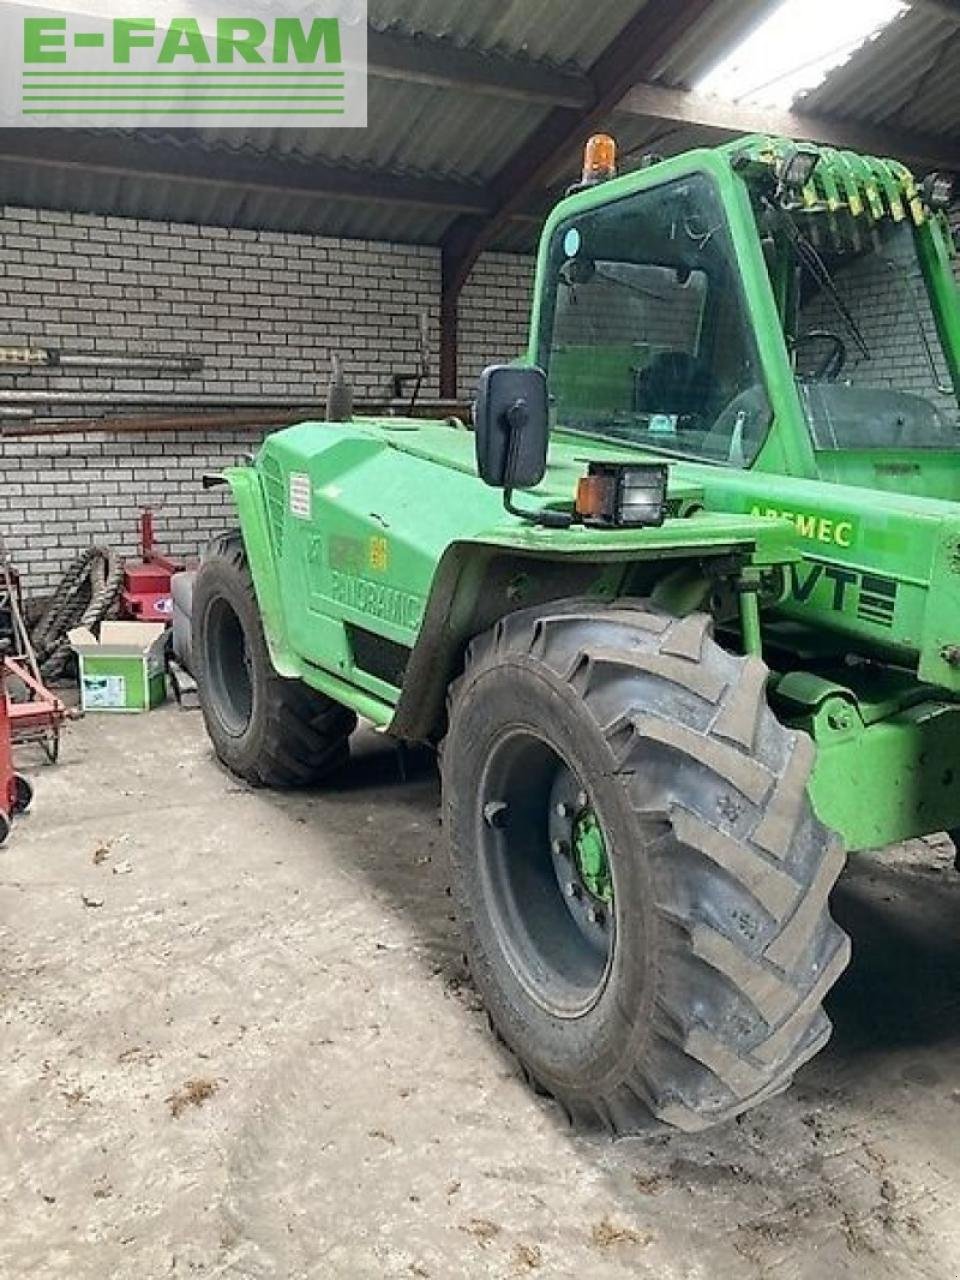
(444, 65)
(677, 106)
(141, 158)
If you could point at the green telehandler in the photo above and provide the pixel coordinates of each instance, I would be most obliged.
(679, 663)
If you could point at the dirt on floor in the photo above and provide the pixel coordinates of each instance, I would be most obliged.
(237, 1041)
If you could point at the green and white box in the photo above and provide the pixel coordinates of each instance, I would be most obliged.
(123, 668)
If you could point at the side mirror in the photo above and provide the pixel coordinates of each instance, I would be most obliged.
(511, 421)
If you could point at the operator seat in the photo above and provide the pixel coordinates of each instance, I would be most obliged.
(676, 383)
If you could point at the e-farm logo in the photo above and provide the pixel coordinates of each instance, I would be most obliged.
(194, 63)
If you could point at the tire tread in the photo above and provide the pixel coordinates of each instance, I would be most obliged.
(758, 1013)
(306, 734)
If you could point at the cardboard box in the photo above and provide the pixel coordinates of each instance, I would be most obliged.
(124, 668)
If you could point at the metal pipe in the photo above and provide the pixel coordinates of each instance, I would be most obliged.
(175, 364)
(147, 423)
(224, 420)
(8, 412)
(29, 358)
(146, 399)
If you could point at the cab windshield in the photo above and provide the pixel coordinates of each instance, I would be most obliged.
(861, 331)
(645, 336)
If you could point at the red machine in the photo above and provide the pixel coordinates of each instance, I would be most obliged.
(15, 791)
(34, 714)
(29, 712)
(146, 586)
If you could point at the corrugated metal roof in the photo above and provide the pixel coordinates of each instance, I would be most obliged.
(707, 42)
(414, 129)
(908, 76)
(552, 31)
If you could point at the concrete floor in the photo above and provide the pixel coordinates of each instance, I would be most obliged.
(236, 1041)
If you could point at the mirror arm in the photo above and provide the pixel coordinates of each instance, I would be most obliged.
(514, 420)
(548, 519)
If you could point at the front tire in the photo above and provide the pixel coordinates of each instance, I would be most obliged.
(666, 952)
(268, 730)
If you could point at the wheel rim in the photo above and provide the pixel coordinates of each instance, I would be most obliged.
(228, 664)
(546, 876)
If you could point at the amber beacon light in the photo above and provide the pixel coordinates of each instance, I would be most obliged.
(599, 159)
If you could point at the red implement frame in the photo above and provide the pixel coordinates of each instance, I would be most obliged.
(8, 793)
(146, 595)
(15, 791)
(39, 717)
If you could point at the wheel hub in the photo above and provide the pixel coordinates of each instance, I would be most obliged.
(590, 855)
(580, 860)
(545, 879)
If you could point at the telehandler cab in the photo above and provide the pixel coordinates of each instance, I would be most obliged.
(687, 657)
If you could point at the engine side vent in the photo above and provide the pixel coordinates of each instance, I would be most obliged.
(275, 493)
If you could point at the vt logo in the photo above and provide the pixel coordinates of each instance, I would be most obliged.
(871, 597)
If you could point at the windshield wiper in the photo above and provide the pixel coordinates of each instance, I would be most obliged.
(904, 282)
(817, 268)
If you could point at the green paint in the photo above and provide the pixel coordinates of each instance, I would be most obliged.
(750, 627)
(381, 525)
(590, 854)
(120, 684)
(888, 753)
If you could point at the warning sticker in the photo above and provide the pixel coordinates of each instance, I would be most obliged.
(300, 495)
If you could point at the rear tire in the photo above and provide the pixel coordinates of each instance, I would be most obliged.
(691, 988)
(268, 730)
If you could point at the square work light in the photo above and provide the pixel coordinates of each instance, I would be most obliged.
(623, 495)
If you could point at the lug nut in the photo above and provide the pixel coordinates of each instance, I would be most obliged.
(573, 890)
(595, 915)
(560, 848)
(582, 799)
(564, 810)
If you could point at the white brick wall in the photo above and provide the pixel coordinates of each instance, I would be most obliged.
(494, 313)
(883, 306)
(264, 310)
(62, 493)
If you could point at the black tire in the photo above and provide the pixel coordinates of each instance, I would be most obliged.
(268, 730)
(704, 994)
(23, 793)
(5, 826)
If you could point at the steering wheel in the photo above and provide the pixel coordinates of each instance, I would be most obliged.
(830, 368)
